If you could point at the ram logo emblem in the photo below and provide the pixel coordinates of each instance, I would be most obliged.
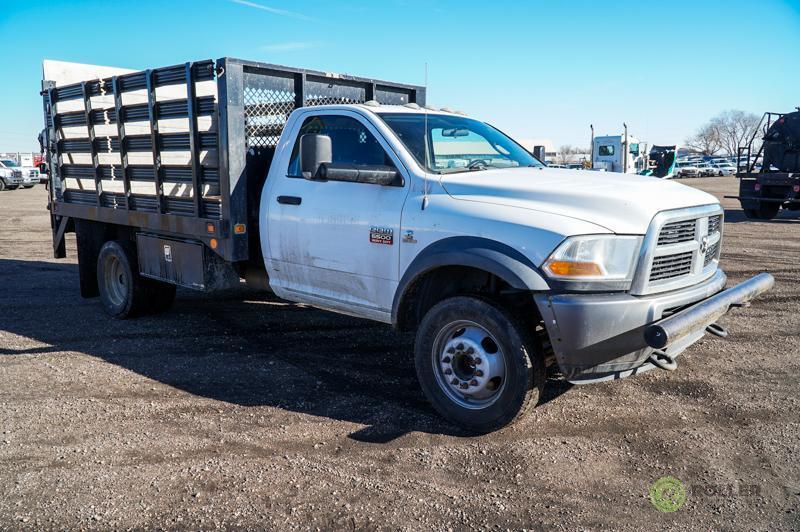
(704, 245)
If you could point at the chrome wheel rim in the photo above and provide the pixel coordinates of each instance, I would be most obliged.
(469, 364)
(115, 280)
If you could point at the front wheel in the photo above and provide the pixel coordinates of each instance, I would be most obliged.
(2, 185)
(477, 364)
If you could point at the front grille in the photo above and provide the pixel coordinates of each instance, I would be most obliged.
(711, 254)
(671, 266)
(714, 223)
(675, 257)
(677, 232)
(18, 173)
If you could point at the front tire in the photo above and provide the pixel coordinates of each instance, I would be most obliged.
(2, 185)
(477, 364)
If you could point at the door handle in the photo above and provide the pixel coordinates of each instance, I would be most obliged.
(290, 200)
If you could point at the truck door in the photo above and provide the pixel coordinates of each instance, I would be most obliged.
(331, 243)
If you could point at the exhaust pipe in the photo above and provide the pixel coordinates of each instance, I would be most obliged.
(666, 331)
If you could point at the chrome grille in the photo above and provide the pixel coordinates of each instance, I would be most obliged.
(671, 266)
(677, 232)
(679, 249)
(714, 224)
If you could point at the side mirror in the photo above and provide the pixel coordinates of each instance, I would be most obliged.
(43, 168)
(539, 152)
(315, 150)
(372, 174)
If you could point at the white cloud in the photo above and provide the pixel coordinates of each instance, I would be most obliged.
(273, 10)
(296, 46)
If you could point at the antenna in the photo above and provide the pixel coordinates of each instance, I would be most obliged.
(425, 139)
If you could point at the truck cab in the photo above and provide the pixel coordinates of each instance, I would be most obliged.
(381, 208)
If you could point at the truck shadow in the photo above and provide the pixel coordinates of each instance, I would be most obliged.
(240, 347)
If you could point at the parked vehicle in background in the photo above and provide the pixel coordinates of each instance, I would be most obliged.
(30, 175)
(723, 168)
(555, 165)
(350, 195)
(10, 176)
(686, 169)
(770, 179)
(706, 169)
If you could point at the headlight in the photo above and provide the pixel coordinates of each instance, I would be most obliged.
(594, 262)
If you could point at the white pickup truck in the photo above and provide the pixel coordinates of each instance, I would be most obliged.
(424, 219)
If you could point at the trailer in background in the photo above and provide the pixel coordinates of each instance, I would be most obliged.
(770, 179)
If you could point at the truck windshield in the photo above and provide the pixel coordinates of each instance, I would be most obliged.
(457, 144)
(9, 163)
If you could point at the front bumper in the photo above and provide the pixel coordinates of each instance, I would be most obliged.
(602, 336)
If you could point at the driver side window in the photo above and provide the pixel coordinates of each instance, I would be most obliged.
(351, 142)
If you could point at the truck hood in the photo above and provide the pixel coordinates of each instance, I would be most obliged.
(622, 203)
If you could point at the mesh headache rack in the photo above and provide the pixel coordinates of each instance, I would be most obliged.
(183, 149)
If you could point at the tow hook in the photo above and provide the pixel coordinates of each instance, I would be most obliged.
(664, 361)
(717, 330)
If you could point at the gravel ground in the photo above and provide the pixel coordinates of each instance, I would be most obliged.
(241, 411)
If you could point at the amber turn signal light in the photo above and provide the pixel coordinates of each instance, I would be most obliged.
(578, 269)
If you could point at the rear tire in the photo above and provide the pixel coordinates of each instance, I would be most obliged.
(489, 352)
(123, 292)
(765, 211)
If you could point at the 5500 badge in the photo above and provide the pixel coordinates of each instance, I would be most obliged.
(381, 235)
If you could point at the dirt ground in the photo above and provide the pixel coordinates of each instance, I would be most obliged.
(241, 411)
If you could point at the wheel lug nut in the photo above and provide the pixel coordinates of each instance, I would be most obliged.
(460, 347)
(454, 381)
(473, 382)
(478, 361)
(451, 350)
(448, 371)
(470, 350)
(479, 373)
(464, 385)
(446, 360)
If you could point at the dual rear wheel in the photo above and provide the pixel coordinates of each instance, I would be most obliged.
(764, 211)
(123, 292)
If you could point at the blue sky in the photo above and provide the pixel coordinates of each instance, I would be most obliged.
(532, 68)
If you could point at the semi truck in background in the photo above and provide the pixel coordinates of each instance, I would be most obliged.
(350, 195)
(617, 153)
(627, 154)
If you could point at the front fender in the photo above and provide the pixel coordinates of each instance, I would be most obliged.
(484, 254)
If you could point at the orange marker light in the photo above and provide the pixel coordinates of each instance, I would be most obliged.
(213, 243)
(210, 228)
(240, 229)
(577, 269)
